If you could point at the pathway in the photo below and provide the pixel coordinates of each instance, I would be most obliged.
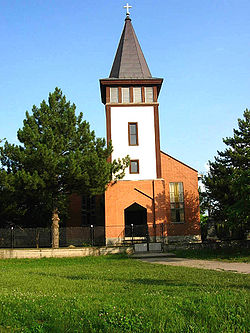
(169, 259)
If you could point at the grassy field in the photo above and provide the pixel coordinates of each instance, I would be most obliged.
(118, 294)
(230, 254)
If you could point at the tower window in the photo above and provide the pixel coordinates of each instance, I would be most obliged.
(113, 95)
(137, 95)
(149, 96)
(134, 166)
(125, 95)
(176, 202)
(133, 134)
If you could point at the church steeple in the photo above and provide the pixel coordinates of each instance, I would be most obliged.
(129, 67)
(129, 62)
(130, 95)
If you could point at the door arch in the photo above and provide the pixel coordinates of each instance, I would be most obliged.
(135, 221)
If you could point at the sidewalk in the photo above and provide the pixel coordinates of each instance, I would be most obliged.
(170, 259)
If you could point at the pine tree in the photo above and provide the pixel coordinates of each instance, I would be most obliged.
(58, 155)
(228, 180)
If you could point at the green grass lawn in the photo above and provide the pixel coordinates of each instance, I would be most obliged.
(118, 294)
(230, 254)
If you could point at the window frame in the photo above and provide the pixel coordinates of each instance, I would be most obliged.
(138, 167)
(147, 94)
(88, 210)
(134, 94)
(179, 206)
(129, 134)
(122, 95)
(116, 95)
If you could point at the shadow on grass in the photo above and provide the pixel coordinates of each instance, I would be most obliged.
(154, 282)
(139, 281)
(116, 256)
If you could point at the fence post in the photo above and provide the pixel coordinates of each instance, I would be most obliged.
(147, 236)
(132, 233)
(162, 237)
(162, 232)
(37, 237)
(92, 234)
(12, 237)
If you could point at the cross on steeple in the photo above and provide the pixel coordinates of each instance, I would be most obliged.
(127, 7)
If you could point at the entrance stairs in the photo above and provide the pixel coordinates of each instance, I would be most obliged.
(128, 241)
(141, 255)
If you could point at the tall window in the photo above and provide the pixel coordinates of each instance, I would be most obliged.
(132, 134)
(149, 94)
(113, 95)
(125, 95)
(176, 202)
(134, 166)
(88, 209)
(137, 95)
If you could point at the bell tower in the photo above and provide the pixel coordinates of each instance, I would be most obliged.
(130, 95)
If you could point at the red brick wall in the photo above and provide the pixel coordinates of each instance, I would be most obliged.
(175, 171)
(122, 194)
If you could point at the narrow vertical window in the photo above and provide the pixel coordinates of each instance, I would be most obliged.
(134, 166)
(88, 210)
(176, 202)
(149, 95)
(133, 134)
(113, 95)
(137, 95)
(125, 95)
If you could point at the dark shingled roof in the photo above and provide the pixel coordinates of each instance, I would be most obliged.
(129, 61)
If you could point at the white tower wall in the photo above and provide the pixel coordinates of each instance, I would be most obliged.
(145, 151)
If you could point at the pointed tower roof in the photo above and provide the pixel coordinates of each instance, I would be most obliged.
(129, 67)
(129, 62)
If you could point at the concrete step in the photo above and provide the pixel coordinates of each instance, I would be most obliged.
(135, 241)
(141, 255)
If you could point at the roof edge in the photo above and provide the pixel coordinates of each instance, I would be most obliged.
(116, 82)
(132, 79)
(179, 161)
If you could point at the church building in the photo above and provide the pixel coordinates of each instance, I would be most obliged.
(158, 197)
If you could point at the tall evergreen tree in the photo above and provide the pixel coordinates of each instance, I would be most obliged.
(58, 155)
(228, 180)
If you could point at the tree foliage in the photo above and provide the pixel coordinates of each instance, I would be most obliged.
(227, 182)
(58, 155)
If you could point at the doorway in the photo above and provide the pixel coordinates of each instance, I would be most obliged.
(135, 221)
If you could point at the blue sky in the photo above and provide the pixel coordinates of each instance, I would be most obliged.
(200, 48)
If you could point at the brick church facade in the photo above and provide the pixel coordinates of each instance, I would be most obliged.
(158, 196)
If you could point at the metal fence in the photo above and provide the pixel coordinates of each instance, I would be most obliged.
(144, 233)
(41, 237)
(17, 237)
(25, 237)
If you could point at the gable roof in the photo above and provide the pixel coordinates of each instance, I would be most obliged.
(129, 62)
